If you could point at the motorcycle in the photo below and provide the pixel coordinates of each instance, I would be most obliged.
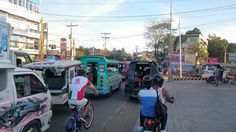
(226, 77)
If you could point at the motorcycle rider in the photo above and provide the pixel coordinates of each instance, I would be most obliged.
(164, 96)
(148, 98)
(77, 90)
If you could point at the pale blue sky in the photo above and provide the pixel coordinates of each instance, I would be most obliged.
(127, 32)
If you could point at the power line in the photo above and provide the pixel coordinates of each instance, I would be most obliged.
(109, 3)
(150, 15)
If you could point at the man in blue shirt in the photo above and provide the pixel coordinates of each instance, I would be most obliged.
(148, 98)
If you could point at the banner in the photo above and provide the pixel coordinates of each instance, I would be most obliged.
(4, 40)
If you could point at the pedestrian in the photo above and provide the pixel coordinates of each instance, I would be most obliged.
(217, 75)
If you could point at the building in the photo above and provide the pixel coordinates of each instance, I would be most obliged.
(191, 44)
(24, 17)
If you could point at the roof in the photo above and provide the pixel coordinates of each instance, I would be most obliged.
(22, 70)
(96, 58)
(52, 64)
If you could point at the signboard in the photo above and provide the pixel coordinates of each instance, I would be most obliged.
(4, 40)
(63, 48)
(190, 58)
(212, 61)
(232, 56)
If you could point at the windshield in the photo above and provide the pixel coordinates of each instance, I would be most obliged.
(55, 79)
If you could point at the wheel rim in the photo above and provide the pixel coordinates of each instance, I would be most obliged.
(32, 129)
(90, 117)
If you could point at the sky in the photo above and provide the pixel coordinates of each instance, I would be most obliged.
(126, 20)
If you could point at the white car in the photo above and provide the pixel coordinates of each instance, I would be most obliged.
(208, 70)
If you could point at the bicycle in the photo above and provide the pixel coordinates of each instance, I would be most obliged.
(75, 121)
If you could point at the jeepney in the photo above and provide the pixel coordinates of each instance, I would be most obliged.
(103, 73)
(25, 102)
(57, 76)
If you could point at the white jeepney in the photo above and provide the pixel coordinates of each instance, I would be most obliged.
(25, 102)
(57, 76)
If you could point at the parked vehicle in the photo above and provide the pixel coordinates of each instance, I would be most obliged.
(136, 71)
(25, 101)
(208, 70)
(103, 73)
(57, 75)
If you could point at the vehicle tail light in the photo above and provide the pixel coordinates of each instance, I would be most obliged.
(149, 122)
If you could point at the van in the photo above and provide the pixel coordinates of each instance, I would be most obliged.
(25, 101)
(136, 71)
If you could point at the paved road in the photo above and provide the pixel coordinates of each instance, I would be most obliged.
(201, 107)
(112, 114)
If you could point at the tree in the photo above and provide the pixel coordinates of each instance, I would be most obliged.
(194, 31)
(156, 34)
(215, 46)
(232, 48)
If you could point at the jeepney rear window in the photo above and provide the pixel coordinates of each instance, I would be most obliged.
(3, 79)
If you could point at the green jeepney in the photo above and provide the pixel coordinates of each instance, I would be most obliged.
(103, 73)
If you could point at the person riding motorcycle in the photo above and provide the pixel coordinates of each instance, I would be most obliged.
(148, 98)
(163, 96)
(77, 91)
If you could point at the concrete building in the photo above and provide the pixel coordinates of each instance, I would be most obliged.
(24, 17)
(190, 43)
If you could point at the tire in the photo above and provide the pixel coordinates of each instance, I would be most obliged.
(211, 80)
(33, 126)
(119, 87)
(110, 92)
(68, 127)
(90, 116)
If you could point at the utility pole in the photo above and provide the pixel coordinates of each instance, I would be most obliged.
(105, 39)
(41, 51)
(170, 45)
(70, 37)
(180, 53)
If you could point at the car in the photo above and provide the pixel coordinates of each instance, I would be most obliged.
(208, 69)
(136, 71)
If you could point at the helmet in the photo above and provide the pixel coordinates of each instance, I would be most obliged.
(147, 81)
(158, 80)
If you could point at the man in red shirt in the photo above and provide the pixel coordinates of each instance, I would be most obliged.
(78, 88)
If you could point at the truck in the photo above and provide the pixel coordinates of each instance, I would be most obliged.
(25, 101)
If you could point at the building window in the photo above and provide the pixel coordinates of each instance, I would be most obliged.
(3, 79)
(20, 3)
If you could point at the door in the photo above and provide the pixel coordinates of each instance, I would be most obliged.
(6, 98)
(131, 74)
(33, 100)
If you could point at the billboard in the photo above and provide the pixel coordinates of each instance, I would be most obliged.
(232, 56)
(63, 48)
(4, 40)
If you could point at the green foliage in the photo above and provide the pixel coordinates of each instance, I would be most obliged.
(157, 37)
(217, 47)
(194, 31)
(232, 48)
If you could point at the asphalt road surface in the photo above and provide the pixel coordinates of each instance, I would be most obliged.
(201, 107)
(112, 114)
